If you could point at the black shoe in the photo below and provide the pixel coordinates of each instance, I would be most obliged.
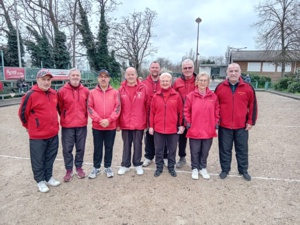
(246, 176)
(173, 173)
(157, 173)
(223, 175)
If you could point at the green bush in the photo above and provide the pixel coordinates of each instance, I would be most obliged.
(261, 80)
(294, 87)
(282, 84)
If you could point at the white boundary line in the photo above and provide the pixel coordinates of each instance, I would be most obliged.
(179, 171)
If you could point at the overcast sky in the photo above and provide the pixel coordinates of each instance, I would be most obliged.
(224, 23)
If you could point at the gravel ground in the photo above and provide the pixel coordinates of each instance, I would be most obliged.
(272, 197)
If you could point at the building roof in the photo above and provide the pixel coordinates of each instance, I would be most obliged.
(261, 55)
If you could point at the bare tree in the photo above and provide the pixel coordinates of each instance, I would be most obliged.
(131, 38)
(279, 29)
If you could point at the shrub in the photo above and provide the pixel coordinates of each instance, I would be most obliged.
(282, 84)
(294, 86)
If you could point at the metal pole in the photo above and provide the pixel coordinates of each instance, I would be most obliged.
(198, 20)
(18, 38)
(2, 60)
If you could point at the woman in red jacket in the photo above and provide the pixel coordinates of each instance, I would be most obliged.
(201, 114)
(165, 118)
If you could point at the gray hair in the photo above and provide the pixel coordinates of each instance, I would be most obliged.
(187, 61)
(165, 75)
(73, 69)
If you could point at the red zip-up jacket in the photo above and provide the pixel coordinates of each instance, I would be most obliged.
(184, 87)
(104, 105)
(166, 116)
(38, 113)
(201, 114)
(72, 105)
(134, 113)
(238, 109)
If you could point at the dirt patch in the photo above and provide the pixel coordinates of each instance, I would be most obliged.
(272, 197)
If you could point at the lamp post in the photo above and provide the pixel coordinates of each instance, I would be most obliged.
(198, 21)
(18, 38)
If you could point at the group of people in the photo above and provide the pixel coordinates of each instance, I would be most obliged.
(168, 114)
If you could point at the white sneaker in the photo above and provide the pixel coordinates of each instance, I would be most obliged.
(109, 172)
(94, 173)
(147, 162)
(139, 170)
(123, 170)
(52, 182)
(166, 162)
(42, 187)
(195, 174)
(204, 174)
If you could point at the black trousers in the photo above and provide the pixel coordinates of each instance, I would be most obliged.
(199, 152)
(70, 137)
(130, 137)
(106, 137)
(42, 155)
(170, 141)
(239, 138)
(149, 147)
(182, 144)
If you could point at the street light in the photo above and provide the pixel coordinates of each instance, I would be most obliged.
(198, 21)
(18, 38)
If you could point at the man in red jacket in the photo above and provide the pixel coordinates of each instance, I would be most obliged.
(184, 85)
(104, 109)
(132, 120)
(238, 113)
(72, 102)
(38, 114)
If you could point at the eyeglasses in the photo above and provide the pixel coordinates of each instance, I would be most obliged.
(103, 77)
(186, 68)
(202, 81)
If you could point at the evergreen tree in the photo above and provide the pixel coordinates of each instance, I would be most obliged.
(61, 55)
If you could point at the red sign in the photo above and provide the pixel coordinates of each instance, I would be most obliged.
(14, 73)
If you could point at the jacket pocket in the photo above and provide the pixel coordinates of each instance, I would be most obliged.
(37, 122)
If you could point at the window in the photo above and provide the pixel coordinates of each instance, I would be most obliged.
(268, 67)
(253, 67)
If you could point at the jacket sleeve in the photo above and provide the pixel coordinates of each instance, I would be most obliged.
(180, 110)
(60, 105)
(252, 108)
(152, 112)
(24, 110)
(187, 112)
(91, 110)
(117, 109)
(217, 110)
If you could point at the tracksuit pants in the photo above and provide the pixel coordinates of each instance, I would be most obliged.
(42, 155)
(226, 139)
(149, 147)
(70, 137)
(199, 152)
(130, 137)
(182, 144)
(106, 137)
(170, 141)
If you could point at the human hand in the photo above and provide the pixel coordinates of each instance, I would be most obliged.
(104, 123)
(151, 130)
(181, 130)
(118, 129)
(248, 126)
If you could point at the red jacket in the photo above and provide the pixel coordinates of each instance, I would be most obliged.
(38, 113)
(104, 105)
(183, 87)
(152, 87)
(166, 117)
(72, 104)
(201, 114)
(239, 108)
(134, 113)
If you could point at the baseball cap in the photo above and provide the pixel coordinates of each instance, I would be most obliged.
(43, 72)
(103, 71)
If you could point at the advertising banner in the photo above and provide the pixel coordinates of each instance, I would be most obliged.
(14, 73)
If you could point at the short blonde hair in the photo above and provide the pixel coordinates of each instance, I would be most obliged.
(202, 74)
(165, 75)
